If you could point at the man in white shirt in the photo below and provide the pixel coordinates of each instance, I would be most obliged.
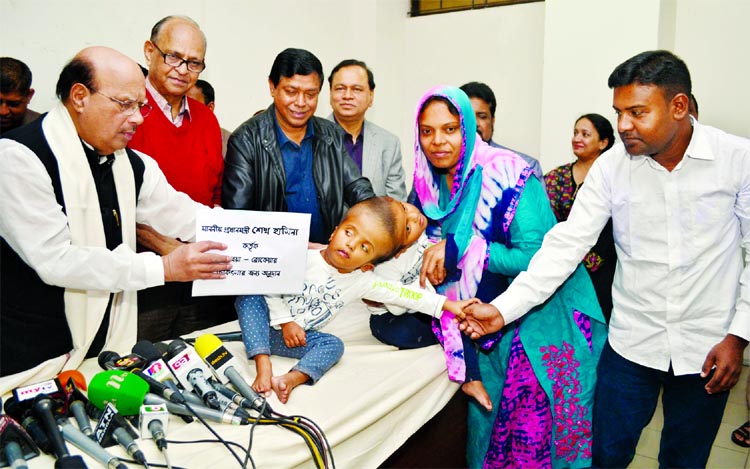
(678, 193)
(70, 196)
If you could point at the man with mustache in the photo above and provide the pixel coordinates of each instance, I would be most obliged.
(15, 94)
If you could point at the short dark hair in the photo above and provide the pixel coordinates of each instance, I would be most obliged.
(207, 90)
(15, 76)
(475, 89)
(351, 63)
(603, 128)
(693, 102)
(292, 62)
(657, 67)
(383, 209)
(78, 70)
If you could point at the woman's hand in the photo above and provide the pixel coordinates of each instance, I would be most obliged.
(294, 335)
(481, 319)
(433, 265)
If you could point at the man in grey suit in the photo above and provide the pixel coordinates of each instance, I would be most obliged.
(376, 151)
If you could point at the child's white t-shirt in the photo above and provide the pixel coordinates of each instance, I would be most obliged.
(405, 269)
(327, 291)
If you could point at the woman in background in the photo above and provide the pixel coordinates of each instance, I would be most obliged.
(592, 136)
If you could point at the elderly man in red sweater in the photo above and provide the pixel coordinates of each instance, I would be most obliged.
(184, 137)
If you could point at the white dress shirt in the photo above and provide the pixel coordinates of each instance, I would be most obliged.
(681, 284)
(34, 225)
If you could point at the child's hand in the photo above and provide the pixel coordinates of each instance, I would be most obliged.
(481, 319)
(457, 306)
(294, 334)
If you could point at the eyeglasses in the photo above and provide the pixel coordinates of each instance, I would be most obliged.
(129, 107)
(176, 61)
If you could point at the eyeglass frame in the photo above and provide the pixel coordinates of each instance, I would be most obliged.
(129, 107)
(187, 62)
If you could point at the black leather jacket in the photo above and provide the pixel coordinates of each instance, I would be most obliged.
(254, 177)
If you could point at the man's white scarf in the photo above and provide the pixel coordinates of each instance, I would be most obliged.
(85, 309)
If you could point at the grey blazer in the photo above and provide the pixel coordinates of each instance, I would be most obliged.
(381, 161)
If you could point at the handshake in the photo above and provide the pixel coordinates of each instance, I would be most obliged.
(474, 317)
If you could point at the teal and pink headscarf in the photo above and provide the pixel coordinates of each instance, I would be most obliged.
(483, 179)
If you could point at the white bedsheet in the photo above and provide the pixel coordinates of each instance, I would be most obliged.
(367, 405)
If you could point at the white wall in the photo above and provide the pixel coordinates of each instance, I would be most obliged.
(713, 38)
(504, 50)
(586, 39)
(547, 62)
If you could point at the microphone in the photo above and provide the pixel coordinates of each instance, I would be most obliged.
(39, 397)
(15, 444)
(90, 447)
(158, 374)
(123, 389)
(191, 371)
(204, 412)
(156, 387)
(226, 404)
(22, 414)
(78, 379)
(113, 361)
(231, 394)
(154, 420)
(224, 336)
(50, 388)
(155, 366)
(222, 362)
(77, 401)
(112, 429)
(43, 407)
(163, 349)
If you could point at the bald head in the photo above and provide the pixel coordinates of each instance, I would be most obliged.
(175, 54)
(95, 64)
(172, 21)
(99, 87)
(113, 67)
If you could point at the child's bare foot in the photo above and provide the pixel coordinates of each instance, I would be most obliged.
(284, 384)
(264, 373)
(476, 390)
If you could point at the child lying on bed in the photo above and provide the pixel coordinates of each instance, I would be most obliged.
(390, 325)
(371, 232)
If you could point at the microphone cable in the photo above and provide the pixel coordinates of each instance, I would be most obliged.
(213, 432)
(261, 411)
(166, 466)
(320, 437)
(310, 432)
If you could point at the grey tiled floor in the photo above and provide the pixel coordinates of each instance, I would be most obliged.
(724, 453)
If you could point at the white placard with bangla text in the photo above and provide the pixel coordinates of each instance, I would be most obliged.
(268, 250)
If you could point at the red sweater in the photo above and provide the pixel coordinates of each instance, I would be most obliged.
(189, 155)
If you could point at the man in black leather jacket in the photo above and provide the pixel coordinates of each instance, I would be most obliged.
(286, 159)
